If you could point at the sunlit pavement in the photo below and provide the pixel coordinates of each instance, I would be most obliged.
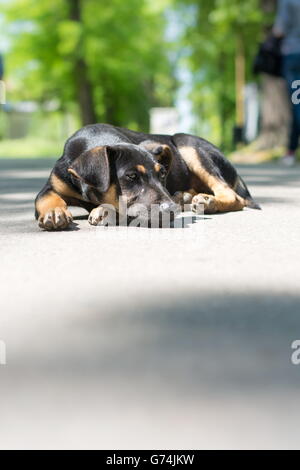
(163, 339)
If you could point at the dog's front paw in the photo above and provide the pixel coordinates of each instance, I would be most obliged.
(97, 215)
(204, 202)
(55, 219)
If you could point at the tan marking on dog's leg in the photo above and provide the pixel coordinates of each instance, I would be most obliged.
(52, 211)
(98, 214)
(111, 196)
(225, 198)
(63, 188)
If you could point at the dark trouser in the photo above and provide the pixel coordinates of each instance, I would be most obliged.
(291, 72)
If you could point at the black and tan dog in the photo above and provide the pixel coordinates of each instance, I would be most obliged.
(100, 163)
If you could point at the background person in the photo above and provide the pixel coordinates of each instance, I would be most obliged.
(287, 26)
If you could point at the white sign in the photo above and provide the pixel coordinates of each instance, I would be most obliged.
(164, 121)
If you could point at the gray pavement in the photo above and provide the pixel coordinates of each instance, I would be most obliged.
(150, 338)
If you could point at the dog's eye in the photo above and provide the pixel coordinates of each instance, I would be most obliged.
(132, 176)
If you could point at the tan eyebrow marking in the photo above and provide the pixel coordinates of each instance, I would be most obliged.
(157, 167)
(141, 169)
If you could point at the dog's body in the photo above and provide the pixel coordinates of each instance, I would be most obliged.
(101, 162)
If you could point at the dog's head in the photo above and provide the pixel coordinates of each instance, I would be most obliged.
(135, 173)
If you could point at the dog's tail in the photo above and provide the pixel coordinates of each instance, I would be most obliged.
(242, 190)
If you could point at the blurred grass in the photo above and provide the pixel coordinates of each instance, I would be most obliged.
(30, 147)
(250, 155)
(41, 147)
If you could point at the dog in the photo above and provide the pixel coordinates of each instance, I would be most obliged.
(101, 163)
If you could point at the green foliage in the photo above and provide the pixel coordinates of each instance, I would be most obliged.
(127, 56)
(121, 42)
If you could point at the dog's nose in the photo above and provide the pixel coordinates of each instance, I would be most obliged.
(164, 207)
(168, 207)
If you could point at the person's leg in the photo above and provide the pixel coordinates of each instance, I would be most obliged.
(291, 72)
(294, 134)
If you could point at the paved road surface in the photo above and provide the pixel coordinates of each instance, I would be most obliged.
(150, 339)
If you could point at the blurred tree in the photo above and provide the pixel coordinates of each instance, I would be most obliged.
(111, 58)
(83, 85)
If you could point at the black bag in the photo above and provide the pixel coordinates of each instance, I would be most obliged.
(269, 59)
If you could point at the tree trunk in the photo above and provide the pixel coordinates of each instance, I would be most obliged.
(83, 85)
(275, 114)
(275, 106)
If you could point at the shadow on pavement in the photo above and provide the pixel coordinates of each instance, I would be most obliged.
(219, 343)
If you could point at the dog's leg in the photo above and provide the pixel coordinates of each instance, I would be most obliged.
(226, 202)
(223, 197)
(51, 211)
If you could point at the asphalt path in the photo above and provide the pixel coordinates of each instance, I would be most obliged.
(139, 338)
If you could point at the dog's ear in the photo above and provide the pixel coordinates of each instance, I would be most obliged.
(161, 152)
(163, 155)
(94, 167)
